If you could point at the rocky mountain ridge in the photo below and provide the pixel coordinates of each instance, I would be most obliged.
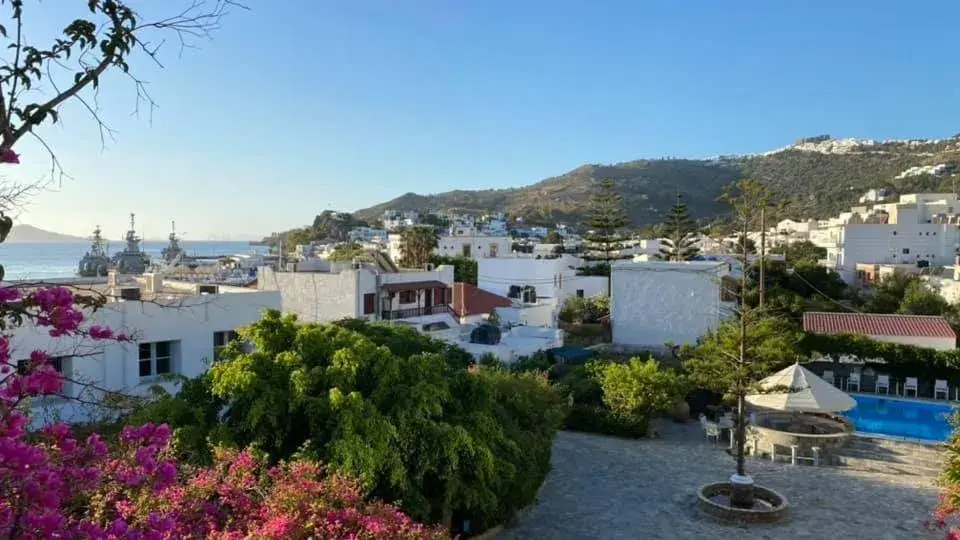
(816, 177)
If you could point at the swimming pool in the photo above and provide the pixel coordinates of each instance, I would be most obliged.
(901, 417)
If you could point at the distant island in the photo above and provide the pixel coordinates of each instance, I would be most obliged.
(28, 234)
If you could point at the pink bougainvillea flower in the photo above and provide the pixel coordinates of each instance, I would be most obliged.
(7, 155)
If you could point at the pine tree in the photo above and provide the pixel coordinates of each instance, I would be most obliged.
(679, 242)
(606, 219)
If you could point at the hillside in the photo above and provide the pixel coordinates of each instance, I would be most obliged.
(816, 177)
(24, 234)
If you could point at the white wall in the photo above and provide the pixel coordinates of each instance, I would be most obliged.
(938, 343)
(189, 322)
(874, 243)
(543, 313)
(656, 303)
(481, 246)
(553, 278)
(315, 297)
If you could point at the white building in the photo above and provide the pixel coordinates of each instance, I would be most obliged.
(461, 241)
(920, 229)
(343, 290)
(467, 241)
(554, 279)
(393, 220)
(175, 329)
(367, 234)
(655, 303)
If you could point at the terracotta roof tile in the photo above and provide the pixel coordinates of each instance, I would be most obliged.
(471, 300)
(877, 324)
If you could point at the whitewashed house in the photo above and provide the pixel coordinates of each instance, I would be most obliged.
(553, 279)
(655, 303)
(467, 241)
(334, 291)
(920, 229)
(175, 329)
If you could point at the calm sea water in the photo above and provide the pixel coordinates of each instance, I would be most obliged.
(59, 260)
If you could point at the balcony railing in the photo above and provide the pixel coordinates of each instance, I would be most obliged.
(390, 314)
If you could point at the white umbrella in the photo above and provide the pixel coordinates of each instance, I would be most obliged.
(807, 393)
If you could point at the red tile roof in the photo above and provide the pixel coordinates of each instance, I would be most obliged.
(877, 324)
(471, 300)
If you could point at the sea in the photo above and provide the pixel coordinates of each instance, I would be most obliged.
(49, 260)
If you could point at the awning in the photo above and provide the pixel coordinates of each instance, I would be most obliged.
(807, 393)
(414, 286)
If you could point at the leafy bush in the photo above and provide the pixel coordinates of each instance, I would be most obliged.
(585, 310)
(639, 387)
(597, 419)
(389, 406)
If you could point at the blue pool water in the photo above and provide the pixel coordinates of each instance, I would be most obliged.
(902, 418)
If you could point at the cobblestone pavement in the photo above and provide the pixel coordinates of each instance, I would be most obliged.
(610, 488)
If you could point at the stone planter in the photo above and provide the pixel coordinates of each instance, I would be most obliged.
(769, 507)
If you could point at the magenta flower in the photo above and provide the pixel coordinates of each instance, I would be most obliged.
(7, 155)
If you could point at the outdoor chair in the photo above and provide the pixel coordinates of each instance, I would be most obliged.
(910, 384)
(828, 376)
(883, 383)
(710, 429)
(941, 387)
(853, 381)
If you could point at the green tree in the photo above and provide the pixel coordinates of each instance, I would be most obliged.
(464, 268)
(744, 243)
(606, 220)
(640, 387)
(347, 252)
(888, 294)
(417, 244)
(553, 237)
(390, 406)
(805, 252)
(679, 232)
(297, 237)
(919, 299)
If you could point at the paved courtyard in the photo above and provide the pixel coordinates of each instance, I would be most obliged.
(610, 488)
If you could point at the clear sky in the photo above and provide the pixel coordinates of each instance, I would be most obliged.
(301, 105)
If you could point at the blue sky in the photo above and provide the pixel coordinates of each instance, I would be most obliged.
(297, 106)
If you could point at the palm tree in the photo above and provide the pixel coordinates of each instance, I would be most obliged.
(416, 245)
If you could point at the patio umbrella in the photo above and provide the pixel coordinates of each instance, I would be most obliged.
(807, 393)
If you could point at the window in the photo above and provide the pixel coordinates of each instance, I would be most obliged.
(493, 250)
(369, 301)
(906, 251)
(579, 293)
(156, 358)
(408, 297)
(61, 364)
(466, 250)
(221, 339)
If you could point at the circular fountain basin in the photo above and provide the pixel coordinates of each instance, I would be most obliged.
(769, 506)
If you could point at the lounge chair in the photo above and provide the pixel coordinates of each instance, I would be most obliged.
(910, 384)
(883, 383)
(941, 387)
(828, 376)
(853, 381)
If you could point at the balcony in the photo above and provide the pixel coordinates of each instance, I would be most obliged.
(388, 315)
